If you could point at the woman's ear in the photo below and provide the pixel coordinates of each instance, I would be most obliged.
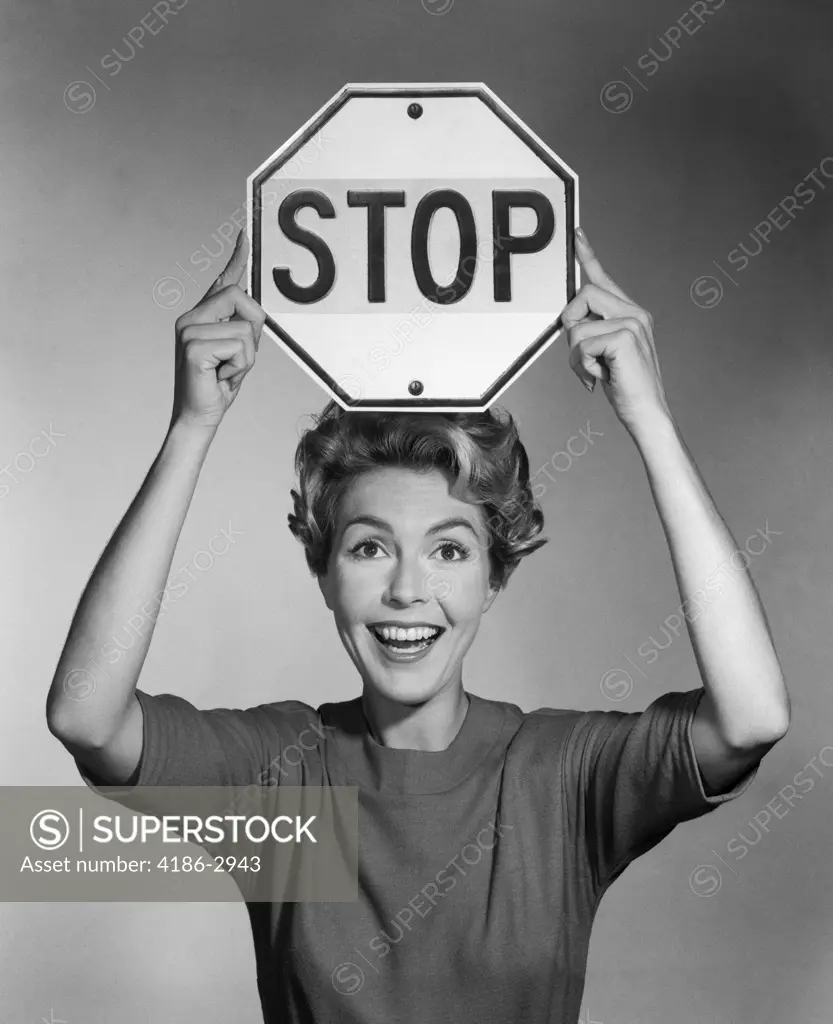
(324, 587)
(488, 601)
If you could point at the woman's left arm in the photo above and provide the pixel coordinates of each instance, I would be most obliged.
(746, 708)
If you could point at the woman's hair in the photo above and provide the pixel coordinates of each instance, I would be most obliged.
(480, 453)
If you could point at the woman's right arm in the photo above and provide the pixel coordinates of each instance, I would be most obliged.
(91, 706)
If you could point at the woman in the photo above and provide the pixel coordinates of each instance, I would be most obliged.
(487, 835)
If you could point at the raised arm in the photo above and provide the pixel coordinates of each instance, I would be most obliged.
(91, 705)
(746, 708)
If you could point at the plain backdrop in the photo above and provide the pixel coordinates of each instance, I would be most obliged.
(101, 203)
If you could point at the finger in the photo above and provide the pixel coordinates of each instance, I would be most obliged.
(585, 358)
(256, 321)
(228, 330)
(208, 355)
(235, 381)
(591, 298)
(593, 270)
(585, 367)
(238, 364)
(593, 328)
(229, 301)
(236, 266)
(223, 329)
(254, 327)
(257, 327)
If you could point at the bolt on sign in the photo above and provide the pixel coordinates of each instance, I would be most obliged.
(412, 246)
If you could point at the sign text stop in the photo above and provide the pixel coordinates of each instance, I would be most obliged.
(426, 205)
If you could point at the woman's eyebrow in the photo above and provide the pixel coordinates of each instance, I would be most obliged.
(450, 523)
(381, 524)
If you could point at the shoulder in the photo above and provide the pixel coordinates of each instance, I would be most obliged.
(171, 715)
(292, 719)
(541, 732)
(550, 732)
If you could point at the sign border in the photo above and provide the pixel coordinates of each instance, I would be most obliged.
(288, 150)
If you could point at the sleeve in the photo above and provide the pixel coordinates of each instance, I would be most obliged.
(635, 777)
(186, 746)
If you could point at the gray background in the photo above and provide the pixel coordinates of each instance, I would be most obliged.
(100, 204)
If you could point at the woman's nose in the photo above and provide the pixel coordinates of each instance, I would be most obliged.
(407, 582)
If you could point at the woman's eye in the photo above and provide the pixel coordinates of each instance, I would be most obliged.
(455, 548)
(367, 550)
(365, 544)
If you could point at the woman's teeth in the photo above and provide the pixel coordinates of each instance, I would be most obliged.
(415, 633)
(415, 638)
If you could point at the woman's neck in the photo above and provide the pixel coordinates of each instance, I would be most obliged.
(432, 725)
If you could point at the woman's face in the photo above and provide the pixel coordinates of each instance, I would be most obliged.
(407, 554)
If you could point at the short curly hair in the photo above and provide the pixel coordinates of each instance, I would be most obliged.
(481, 453)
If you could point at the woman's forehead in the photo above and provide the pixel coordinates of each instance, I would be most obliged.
(401, 494)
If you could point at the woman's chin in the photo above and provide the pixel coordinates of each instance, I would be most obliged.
(403, 690)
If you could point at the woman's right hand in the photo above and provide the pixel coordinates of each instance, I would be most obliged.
(216, 343)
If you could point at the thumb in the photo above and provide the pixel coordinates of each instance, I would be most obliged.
(235, 269)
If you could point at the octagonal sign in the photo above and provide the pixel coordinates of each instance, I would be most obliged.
(412, 246)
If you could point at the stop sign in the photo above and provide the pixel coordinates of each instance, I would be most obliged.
(412, 246)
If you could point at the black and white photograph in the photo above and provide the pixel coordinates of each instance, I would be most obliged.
(415, 490)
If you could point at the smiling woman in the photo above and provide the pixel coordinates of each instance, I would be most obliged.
(487, 834)
(412, 523)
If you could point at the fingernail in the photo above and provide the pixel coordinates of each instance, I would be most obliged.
(588, 385)
(581, 235)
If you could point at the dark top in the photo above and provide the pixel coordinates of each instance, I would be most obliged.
(481, 866)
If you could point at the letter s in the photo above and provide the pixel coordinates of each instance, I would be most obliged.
(314, 243)
(735, 840)
(117, 654)
(641, 653)
(375, 949)
(452, 880)
(808, 781)
(645, 68)
(108, 66)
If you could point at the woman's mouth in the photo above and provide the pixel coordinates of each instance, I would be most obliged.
(405, 644)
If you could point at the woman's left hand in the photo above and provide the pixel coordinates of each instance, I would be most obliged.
(612, 339)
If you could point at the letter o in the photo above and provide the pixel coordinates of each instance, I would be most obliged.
(40, 455)
(250, 822)
(210, 560)
(473, 847)
(293, 764)
(482, 847)
(742, 554)
(301, 742)
(570, 450)
(29, 457)
(211, 549)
